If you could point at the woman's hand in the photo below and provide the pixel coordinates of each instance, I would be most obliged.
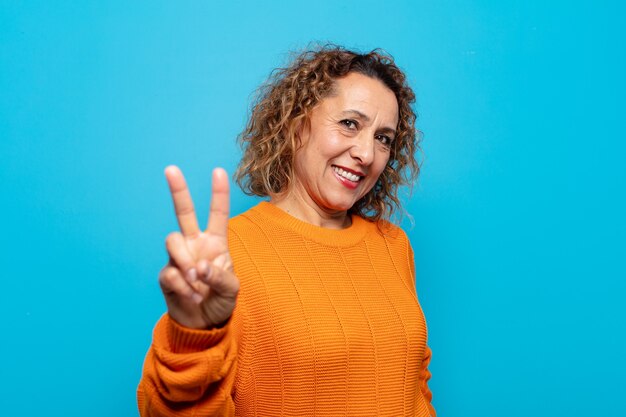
(198, 283)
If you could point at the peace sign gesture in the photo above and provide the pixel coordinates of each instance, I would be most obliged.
(198, 282)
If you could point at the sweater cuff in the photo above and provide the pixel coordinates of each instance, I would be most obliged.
(183, 339)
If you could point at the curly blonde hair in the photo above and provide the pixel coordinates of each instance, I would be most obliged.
(283, 105)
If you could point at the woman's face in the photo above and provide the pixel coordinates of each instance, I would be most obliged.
(346, 146)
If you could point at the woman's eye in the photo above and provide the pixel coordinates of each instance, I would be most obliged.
(350, 124)
(385, 140)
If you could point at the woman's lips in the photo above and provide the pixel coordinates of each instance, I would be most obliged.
(348, 178)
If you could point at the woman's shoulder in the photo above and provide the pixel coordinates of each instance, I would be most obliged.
(253, 226)
(390, 235)
(244, 223)
(383, 229)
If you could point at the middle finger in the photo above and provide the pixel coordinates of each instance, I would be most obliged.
(183, 204)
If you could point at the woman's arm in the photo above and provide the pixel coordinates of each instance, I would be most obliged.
(191, 364)
(188, 372)
(424, 376)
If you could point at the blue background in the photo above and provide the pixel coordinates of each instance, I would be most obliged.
(519, 228)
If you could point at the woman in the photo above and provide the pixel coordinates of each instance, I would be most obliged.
(306, 304)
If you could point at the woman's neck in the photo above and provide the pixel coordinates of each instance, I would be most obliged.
(308, 211)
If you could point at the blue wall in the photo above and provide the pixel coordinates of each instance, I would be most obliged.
(519, 228)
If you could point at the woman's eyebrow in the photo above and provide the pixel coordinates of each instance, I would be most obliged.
(359, 114)
(387, 131)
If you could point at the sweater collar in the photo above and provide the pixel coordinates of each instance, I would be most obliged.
(330, 237)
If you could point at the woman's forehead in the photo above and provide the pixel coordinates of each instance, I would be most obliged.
(362, 94)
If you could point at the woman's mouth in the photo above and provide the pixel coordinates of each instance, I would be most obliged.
(348, 179)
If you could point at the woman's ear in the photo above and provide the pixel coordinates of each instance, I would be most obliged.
(301, 132)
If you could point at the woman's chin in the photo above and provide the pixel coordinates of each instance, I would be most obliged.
(337, 206)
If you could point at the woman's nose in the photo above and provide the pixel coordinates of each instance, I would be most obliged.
(363, 149)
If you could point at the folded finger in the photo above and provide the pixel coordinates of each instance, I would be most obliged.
(172, 282)
(221, 281)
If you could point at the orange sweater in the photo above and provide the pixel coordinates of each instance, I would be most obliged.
(327, 323)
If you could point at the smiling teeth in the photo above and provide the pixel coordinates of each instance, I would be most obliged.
(347, 175)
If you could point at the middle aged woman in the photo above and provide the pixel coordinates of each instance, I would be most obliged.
(305, 304)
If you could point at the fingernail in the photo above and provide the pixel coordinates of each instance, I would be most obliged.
(192, 275)
(209, 271)
(197, 298)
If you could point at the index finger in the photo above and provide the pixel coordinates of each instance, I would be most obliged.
(183, 205)
(220, 204)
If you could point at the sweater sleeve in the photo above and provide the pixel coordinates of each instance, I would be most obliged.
(188, 372)
(424, 376)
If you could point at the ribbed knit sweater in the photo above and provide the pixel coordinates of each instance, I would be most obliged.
(327, 323)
